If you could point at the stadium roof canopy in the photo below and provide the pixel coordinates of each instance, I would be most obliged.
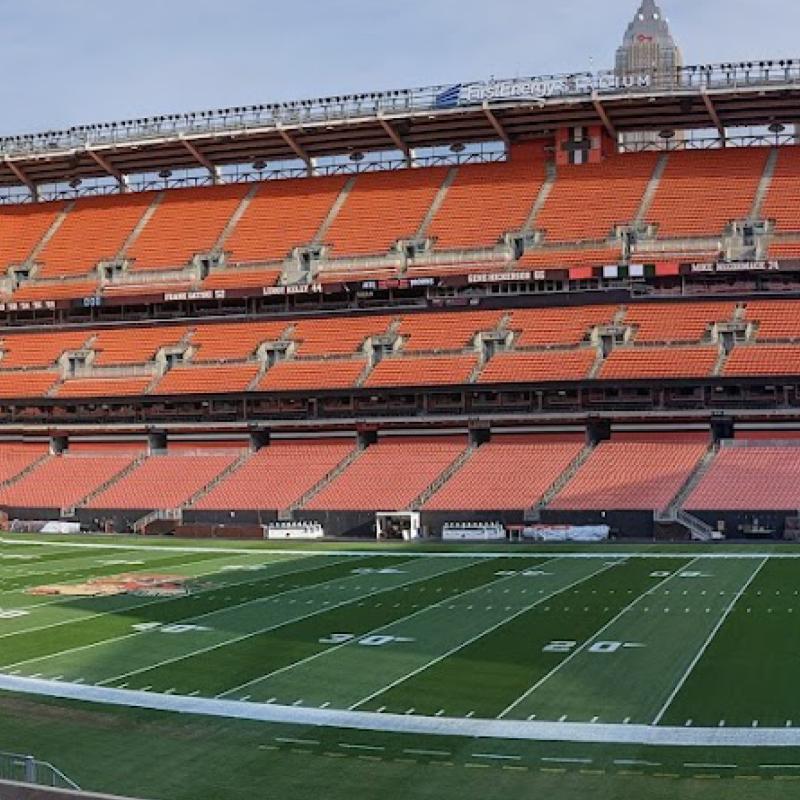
(718, 96)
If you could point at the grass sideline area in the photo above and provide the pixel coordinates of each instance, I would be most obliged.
(663, 635)
(164, 756)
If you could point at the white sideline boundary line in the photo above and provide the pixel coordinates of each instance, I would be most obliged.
(710, 638)
(509, 553)
(593, 638)
(392, 723)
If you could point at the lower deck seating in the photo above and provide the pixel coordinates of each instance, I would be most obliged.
(390, 475)
(164, 481)
(278, 475)
(507, 473)
(15, 459)
(63, 481)
(621, 476)
(751, 478)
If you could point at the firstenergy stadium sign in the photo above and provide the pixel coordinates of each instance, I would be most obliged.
(538, 89)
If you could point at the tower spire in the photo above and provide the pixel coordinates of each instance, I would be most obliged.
(648, 45)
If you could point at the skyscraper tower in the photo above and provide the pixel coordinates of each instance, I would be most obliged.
(648, 45)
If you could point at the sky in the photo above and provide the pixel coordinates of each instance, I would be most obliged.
(70, 62)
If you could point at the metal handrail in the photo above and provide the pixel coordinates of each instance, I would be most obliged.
(767, 73)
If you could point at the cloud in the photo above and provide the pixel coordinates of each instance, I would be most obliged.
(91, 60)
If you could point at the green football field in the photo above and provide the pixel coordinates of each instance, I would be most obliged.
(297, 665)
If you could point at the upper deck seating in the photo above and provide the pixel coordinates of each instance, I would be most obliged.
(337, 335)
(95, 229)
(137, 345)
(234, 341)
(283, 215)
(702, 190)
(448, 330)
(422, 371)
(763, 360)
(30, 383)
(278, 475)
(507, 473)
(539, 367)
(670, 322)
(750, 478)
(31, 291)
(776, 319)
(542, 327)
(782, 202)
(659, 362)
(216, 379)
(304, 374)
(22, 350)
(630, 476)
(63, 481)
(383, 207)
(103, 387)
(186, 222)
(164, 481)
(390, 475)
(588, 200)
(22, 228)
(487, 200)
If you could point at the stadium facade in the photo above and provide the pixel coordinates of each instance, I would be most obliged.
(495, 302)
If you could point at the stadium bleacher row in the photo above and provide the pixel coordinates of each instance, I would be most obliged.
(437, 474)
(530, 345)
(570, 213)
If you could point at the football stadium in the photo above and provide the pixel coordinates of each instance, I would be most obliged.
(435, 442)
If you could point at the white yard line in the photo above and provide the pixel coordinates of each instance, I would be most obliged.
(471, 640)
(599, 552)
(374, 631)
(578, 650)
(710, 638)
(275, 626)
(158, 601)
(262, 599)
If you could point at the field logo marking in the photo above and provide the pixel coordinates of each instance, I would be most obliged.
(366, 641)
(13, 613)
(145, 627)
(373, 571)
